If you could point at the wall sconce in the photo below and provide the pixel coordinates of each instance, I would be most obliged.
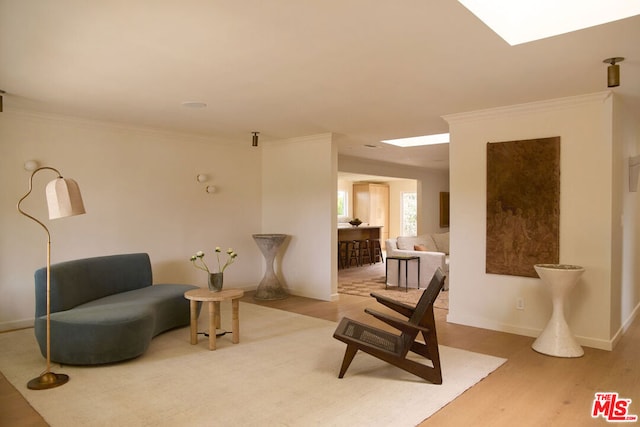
(254, 139)
(210, 189)
(31, 165)
(613, 71)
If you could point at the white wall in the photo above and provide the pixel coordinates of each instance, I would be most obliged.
(299, 199)
(586, 217)
(626, 292)
(141, 195)
(429, 185)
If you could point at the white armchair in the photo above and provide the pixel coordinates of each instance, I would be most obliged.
(430, 259)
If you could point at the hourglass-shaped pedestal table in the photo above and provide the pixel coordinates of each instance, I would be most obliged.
(270, 287)
(557, 339)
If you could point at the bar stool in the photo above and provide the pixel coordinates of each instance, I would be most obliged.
(353, 253)
(376, 251)
(342, 253)
(365, 251)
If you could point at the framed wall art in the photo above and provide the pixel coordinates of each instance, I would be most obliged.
(444, 209)
(523, 205)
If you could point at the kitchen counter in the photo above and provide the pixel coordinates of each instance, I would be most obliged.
(362, 232)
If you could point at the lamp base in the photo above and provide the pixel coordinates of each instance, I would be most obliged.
(47, 380)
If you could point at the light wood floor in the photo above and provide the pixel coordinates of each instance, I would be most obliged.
(530, 389)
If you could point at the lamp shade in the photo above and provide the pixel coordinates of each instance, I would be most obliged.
(63, 198)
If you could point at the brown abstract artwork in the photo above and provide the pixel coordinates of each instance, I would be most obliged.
(523, 205)
(444, 209)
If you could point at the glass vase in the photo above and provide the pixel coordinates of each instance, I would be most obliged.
(215, 282)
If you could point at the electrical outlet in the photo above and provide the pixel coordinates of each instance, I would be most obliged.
(520, 303)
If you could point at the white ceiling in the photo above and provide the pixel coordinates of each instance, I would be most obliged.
(364, 70)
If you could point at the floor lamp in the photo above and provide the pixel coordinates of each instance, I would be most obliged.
(63, 199)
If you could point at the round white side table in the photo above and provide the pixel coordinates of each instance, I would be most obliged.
(557, 339)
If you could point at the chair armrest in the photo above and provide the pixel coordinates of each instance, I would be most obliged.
(404, 309)
(400, 324)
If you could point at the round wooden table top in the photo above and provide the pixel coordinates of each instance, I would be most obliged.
(203, 294)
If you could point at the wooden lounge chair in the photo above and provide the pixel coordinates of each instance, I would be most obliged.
(393, 348)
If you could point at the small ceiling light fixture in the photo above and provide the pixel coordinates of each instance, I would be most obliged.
(1, 93)
(254, 139)
(613, 71)
(201, 177)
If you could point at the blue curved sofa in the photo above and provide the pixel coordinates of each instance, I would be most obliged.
(105, 309)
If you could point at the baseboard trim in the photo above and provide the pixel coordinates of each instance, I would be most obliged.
(527, 332)
(16, 324)
(625, 326)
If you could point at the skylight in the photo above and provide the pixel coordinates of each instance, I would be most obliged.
(521, 22)
(441, 138)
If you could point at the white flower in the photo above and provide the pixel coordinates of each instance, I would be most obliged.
(199, 256)
(198, 260)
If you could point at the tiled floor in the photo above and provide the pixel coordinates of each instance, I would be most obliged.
(363, 280)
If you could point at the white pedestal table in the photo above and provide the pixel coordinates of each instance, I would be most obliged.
(557, 339)
(270, 287)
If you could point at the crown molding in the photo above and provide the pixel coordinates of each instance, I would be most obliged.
(529, 108)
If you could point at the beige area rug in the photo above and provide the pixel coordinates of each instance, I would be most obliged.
(282, 373)
(368, 280)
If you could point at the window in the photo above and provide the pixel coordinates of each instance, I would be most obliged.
(409, 214)
(342, 203)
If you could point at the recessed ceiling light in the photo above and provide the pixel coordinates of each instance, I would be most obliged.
(521, 22)
(194, 104)
(440, 138)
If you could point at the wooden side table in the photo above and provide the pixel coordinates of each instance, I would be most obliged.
(406, 260)
(214, 298)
